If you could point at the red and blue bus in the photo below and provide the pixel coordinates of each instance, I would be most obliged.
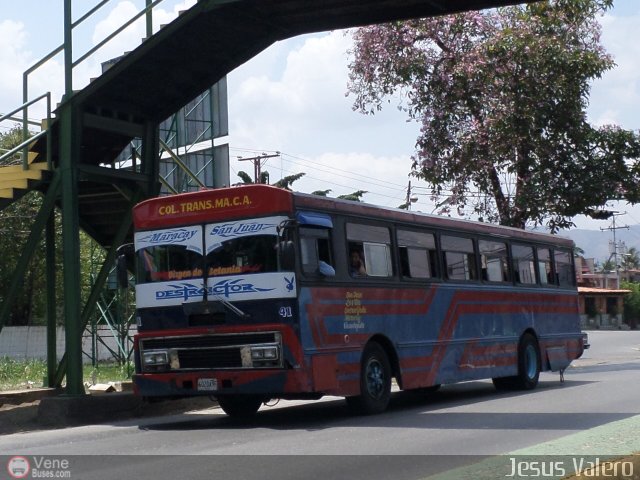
(253, 293)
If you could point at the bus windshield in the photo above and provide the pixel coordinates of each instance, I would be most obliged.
(232, 248)
(169, 254)
(250, 254)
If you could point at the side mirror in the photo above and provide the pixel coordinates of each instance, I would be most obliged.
(122, 274)
(286, 252)
(124, 263)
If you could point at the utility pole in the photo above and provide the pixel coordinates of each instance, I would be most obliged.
(257, 164)
(410, 198)
(613, 229)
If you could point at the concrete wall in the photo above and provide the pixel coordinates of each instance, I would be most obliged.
(20, 343)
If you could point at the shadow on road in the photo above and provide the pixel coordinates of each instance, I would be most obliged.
(406, 410)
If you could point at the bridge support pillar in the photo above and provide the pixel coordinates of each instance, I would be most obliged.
(70, 141)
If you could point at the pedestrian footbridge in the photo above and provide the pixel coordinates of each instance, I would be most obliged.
(72, 161)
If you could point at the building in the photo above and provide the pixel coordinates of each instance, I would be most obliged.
(600, 296)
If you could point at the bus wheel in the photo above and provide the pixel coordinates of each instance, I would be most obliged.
(528, 367)
(375, 382)
(240, 405)
(528, 363)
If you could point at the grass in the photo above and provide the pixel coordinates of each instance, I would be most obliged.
(21, 374)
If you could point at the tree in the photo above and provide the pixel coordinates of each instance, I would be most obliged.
(286, 182)
(244, 176)
(247, 180)
(15, 226)
(631, 303)
(501, 96)
(354, 197)
(631, 260)
(16, 223)
(608, 266)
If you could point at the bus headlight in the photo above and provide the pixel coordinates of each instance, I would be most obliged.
(265, 355)
(155, 360)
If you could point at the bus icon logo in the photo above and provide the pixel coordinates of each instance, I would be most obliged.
(18, 467)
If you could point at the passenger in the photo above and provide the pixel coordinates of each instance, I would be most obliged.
(356, 267)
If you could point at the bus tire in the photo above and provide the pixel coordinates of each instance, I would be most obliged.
(528, 367)
(375, 382)
(528, 363)
(239, 406)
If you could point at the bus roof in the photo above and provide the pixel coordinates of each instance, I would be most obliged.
(206, 206)
(212, 205)
(315, 202)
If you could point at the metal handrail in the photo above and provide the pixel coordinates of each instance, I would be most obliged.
(7, 116)
(69, 63)
(17, 148)
(148, 8)
(25, 129)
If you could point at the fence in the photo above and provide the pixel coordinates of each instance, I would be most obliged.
(21, 343)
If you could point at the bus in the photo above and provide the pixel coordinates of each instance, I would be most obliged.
(253, 293)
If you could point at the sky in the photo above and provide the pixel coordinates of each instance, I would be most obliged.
(292, 98)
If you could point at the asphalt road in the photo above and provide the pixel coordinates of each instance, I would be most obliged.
(592, 413)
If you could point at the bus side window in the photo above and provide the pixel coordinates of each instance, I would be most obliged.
(564, 268)
(523, 266)
(314, 248)
(494, 261)
(377, 259)
(544, 266)
(417, 254)
(373, 243)
(459, 258)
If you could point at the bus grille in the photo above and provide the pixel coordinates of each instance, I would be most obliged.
(210, 358)
(210, 351)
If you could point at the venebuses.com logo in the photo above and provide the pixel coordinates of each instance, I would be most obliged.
(18, 467)
(38, 467)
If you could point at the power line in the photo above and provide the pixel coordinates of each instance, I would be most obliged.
(368, 181)
(352, 175)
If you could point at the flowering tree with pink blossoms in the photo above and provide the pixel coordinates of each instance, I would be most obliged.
(501, 96)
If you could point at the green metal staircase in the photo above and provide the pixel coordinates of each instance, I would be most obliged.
(15, 181)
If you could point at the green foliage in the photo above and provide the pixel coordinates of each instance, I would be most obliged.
(16, 223)
(244, 176)
(15, 374)
(631, 260)
(608, 266)
(354, 197)
(19, 374)
(8, 140)
(631, 303)
(286, 182)
(501, 96)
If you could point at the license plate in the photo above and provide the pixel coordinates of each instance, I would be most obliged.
(207, 384)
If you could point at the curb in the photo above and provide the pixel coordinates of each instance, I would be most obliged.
(17, 397)
(60, 411)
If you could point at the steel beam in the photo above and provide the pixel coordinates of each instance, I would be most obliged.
(70, 140)
(99, 282)
(52, 357)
